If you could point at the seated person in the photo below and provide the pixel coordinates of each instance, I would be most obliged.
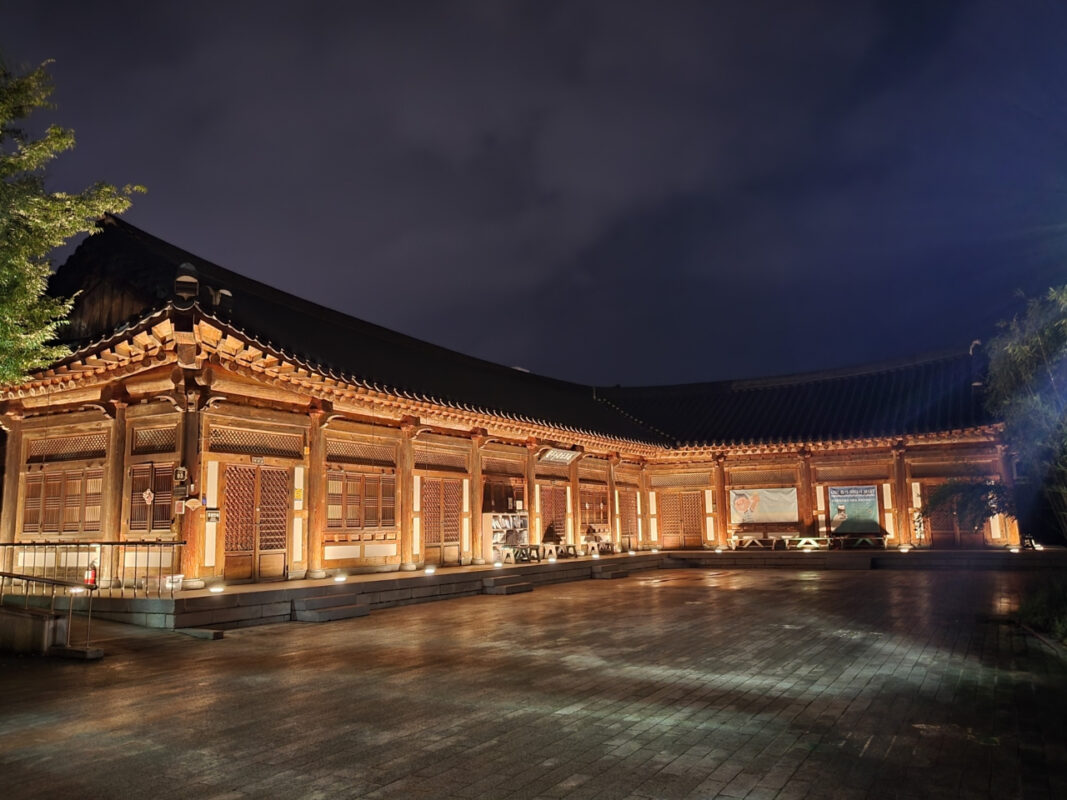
(551, 536)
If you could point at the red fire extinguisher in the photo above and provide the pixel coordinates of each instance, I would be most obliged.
(90, 574)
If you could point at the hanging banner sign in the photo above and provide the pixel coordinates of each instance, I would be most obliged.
(763, 505)
(854, 509)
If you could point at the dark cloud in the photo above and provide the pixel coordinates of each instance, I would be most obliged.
(613, 191)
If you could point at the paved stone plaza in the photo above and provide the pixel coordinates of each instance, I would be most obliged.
(667, 684)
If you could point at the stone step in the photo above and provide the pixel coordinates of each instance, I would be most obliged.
(510, 588)
(608, 574)
(324, 601)
(503, 580)
(331, 613)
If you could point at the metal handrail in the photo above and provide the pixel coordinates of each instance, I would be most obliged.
(155, 562)
(73, 587)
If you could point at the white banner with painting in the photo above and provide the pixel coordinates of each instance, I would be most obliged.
(763, 505)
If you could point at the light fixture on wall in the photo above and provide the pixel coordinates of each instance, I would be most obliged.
(430, 570)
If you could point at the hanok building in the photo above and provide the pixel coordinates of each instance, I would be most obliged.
(281, 439)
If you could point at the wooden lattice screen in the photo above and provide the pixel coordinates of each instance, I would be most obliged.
(62, 502)
(358, 502)
(346, 451)
(764, 477)
(152, 512)
(255, 443)
(594, 502)
(154, 440)
(492, 465)
(628, 513)
(67, 448)
(442, 508)
(450, 460)
(670, 512)
(692, 514)
(681, 479)
(554, 508)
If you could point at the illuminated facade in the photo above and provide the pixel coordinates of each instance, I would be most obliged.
(280, 439)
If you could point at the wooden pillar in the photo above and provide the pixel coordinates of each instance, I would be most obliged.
(1007, 477)
(114, 472)
(192, 521)
(722, 502)
(644, 514)
(804, 502)
(613, 506)
(13, 462)
(534, 513)
(316, 493)
(478, 549)
(405, 467)
(575, 534)
(901, 497)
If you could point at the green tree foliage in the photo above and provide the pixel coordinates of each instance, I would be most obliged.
(33, 222)
(1027, 389)
(972, 501)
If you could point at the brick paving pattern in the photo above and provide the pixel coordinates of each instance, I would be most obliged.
(668, 684)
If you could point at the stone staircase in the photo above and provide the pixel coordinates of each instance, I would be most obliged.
(328, 608)
(609, 569)
(506, 584)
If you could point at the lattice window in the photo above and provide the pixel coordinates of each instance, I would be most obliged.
(151, 495)
(554, 508)
(502, 466)
(67, 448)
(683, 479)
(67, 502)
(360, 502)
(866, 472)
(552, 470)
(240, 507)
(628, 513)
(256, 443)
(442, 510)
(692, 514)
(669, 508)
(594, 502)
(593, 469)
(357, 452)
(273, 508)
(954, 469)
(155, 440)
(440, 459)
(764, 477)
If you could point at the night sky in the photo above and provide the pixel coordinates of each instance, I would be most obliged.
(608, 192)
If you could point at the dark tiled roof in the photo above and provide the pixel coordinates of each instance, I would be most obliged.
(933, 394)
(124, 271)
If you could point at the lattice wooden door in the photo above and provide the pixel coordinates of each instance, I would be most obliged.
(442, 510)
(670, 519)
(944, 531)
(628, 517)
(692, 520)
(255, 520)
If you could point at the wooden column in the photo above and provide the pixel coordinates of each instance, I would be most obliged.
(533, 514)
(576, 534)
(1007, 477)
(114, 473)
(316, 493)
(405, 464)
(644, 515)
(477, 545)
(722, 502)
(901, 497)
(192, 522)
(13, 462)
(804, 504)
(613, 510)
